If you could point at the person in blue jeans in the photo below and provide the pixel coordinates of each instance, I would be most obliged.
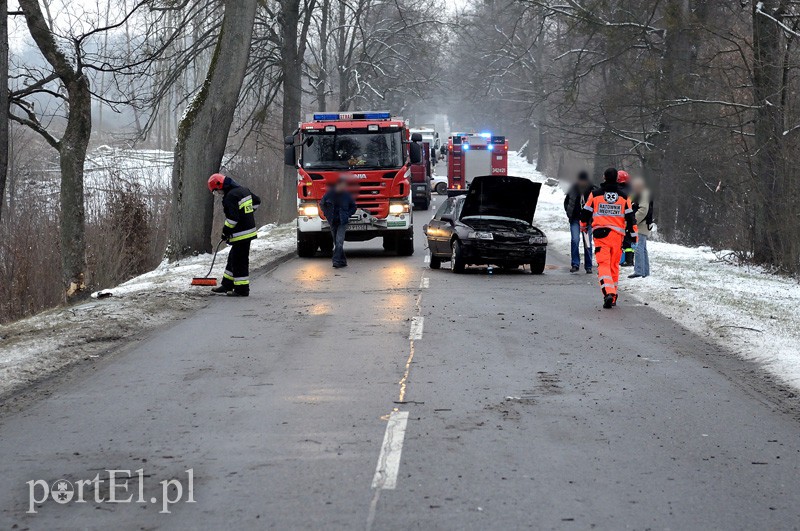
(338, 205)
(573, 204)
(641, 206)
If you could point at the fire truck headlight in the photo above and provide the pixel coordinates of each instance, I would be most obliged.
(476, 235)
(398, 208)
(308, 210)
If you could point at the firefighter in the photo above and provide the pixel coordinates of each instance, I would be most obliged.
(610, 214)
(628, 251)
(239, 205)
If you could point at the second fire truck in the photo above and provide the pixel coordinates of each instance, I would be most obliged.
(472, 155)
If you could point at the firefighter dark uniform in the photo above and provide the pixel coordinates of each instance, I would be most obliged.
(239, 205)
(610, 212)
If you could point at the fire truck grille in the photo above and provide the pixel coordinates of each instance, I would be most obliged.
(372, 208)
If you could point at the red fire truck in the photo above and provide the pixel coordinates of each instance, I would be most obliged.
(472, 155)
(373, 151)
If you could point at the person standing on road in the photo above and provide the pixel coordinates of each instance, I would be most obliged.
(574, 202)
(624, 183)
(239, 204)
(610, 214)
(338, 205)
(640, 199)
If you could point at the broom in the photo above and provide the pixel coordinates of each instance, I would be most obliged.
(206, 281)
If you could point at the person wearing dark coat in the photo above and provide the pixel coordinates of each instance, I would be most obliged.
(573, 205)
(239, 204)
(338, 206)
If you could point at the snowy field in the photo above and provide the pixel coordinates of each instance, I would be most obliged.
(42, 344)
(744, 309)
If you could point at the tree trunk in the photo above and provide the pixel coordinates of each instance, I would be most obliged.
(322, 83)
(72, 149)
(203, 133)
(292, 99)
(767, 87)
(3, 102)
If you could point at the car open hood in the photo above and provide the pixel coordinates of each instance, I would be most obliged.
(508, 197)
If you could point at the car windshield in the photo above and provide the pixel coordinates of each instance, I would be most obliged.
(354, 150)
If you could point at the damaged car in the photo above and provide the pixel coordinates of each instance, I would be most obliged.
(491, 223)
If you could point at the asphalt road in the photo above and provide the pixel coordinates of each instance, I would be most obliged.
(391, 396)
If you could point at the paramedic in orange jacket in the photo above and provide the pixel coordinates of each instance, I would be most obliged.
(611, 215)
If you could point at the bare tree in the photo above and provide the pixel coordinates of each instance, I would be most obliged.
(4, 102)
(71, 147)
(203, 132)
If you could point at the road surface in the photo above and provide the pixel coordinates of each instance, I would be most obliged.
(391, 396)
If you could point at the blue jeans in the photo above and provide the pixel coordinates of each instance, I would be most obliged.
(337, 232)
(641, 265)
(575, 231)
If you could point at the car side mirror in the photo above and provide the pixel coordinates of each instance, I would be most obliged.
(425, 229)
(288, 156)
(416, 153)
(448, 218)
(288, 140)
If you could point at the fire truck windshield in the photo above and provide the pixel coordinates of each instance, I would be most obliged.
(354, 149)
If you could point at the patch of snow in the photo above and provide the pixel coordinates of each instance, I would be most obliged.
(743, 309)
(37, 346)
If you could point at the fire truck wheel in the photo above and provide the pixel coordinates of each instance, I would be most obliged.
(306, 246)
(405, 246)
(436, 262)
(457, 264)
(389, 243)
(537, 267)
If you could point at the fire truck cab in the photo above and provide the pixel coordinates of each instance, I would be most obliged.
(372, 150)
(472, 155)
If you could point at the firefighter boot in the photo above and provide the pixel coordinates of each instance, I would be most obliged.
(608, 302)
(222, 290)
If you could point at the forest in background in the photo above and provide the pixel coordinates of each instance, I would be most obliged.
(700, 97)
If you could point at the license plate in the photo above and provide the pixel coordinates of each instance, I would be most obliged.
(359, 226)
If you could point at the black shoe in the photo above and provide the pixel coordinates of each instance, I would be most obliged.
(222, 290)
(635, 275)
(589, 271)
(608, 302)
(238, 294)
(574, 269)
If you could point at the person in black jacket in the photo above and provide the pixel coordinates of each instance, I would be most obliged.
(239, 204)
(573, 204)
(338, 205)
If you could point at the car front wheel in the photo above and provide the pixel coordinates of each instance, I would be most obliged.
(441, 188)
(537, 267)
(457, 264)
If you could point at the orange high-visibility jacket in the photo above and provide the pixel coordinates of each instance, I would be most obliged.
(609, 209)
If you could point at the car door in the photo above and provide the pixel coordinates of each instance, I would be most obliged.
(439, 231)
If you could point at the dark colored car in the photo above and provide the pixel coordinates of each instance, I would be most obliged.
(492, 223)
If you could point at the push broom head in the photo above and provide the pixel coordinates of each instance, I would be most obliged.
(203, 281)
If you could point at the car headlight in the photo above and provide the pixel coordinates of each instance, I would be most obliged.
(477, 235)
(538, 240)
(398, 208)
(308, 210)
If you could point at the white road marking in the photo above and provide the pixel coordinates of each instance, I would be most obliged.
(389, 460)
(427, 259)
(425, 283)
(417, 324)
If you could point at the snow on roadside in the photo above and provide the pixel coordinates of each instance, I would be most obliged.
(35, 347)
(743, 309)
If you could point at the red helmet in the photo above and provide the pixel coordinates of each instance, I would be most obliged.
(215, 182)
(623, 177)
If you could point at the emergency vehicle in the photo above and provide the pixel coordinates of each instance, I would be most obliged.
(371, 149)
(430, 136)
(421, 175)
(472, 155)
